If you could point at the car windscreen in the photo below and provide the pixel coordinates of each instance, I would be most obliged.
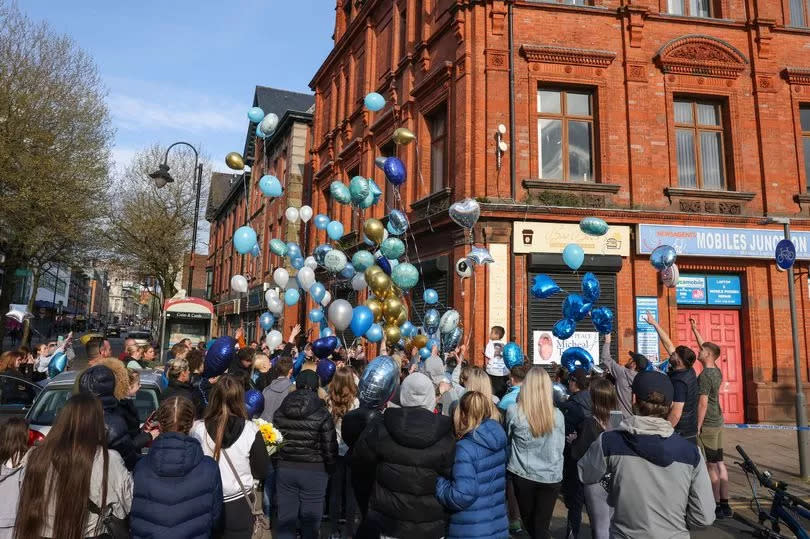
(53, 399)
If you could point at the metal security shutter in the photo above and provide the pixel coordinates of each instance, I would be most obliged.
(544, 313)
(434, 275)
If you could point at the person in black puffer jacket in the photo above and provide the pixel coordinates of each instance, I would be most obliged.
(179, 376)
(306, 458)
(411, 447)
(99, 381)
(178, 490)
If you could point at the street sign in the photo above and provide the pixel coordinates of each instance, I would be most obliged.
(785, 254)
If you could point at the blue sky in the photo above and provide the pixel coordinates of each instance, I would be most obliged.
(185, 69)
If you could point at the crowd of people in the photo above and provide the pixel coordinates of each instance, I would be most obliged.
(463, 448)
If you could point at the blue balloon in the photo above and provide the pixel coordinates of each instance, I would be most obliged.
(407, 329)
(291, 296)
(297, 262)
(512, 355)
(362, 260)
(663, 257)
(347, 272)
(378, 383)
(320, 252)
(593, 226)
(266, 321)
(576, 358)
(340, 192)
(321, 221)
(316, 315)
(575, 307)
(325, 370)
(278, 247)
(544, 286)
(392, 248)
(334, 230)
(590, 288)
(323, 347)
(57, 364)
(270, 186)
(254, 402)
(375, 190)
(255, 250)
(358, 189)
(602, 319)
(430, 296)
(255, 114)
(362, 318)
(405, 275)
(293, 249)
(394, 170)
(384, 265)
(431, 321)
(244, 239)
(424, 352)
(317, 291)
(431, 343)
(573, 256)
(259, 132)
(397, 223)
(219, 356)
(374, 333)
(564, 328)
(452, 339)
(327, 332)
(374, 101)
(367, 202)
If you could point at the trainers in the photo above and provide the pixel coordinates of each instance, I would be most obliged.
(726, 511)
(516, 526)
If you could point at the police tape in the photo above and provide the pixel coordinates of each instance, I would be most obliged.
(762, 426)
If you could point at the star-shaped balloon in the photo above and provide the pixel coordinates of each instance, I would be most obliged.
(480, 255)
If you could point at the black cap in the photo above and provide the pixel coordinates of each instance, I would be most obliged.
(649, 382)
(641, 360)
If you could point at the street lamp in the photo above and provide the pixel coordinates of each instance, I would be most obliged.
(801, 413)
(163, 177)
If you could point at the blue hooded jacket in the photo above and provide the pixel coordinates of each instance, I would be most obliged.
(178, 490)
(476, 496)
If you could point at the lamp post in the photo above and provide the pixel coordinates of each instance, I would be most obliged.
(801, 412)
(162, 177)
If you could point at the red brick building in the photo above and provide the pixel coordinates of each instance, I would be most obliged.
(679, 122)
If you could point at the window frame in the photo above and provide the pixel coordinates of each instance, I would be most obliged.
(697, 129)
(805, 15)
(713, 10)
(430, 119)
(804, 135)
(564, 118)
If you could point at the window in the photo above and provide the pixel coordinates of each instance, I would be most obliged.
(565, 131)
(690, 8)
(403, 32)
(699, 144)
(804, 112)
(799, 12)
(388, 150)
(571, 2)
(437, 123)
(347, 11)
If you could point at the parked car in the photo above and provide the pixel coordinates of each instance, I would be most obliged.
(58, 390)
(17, 395)
(142, 338)
(112, 331)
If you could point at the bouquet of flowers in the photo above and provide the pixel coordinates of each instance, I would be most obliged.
(270, 434)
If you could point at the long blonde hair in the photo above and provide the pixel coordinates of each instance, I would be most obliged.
(475, 379)
(472, 410)
(535, 401)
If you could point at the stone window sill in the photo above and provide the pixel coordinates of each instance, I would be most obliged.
(706, 193)
(587, 187)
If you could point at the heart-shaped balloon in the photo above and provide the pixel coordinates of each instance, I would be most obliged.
(564, 328)
(325, 371)
(602, 318)
(575, 307)
(544, 286)
(323, 347)
(340, 192)
(465, 213)
(663, 257)
(254, 402)
(57, 364)
(590, 287)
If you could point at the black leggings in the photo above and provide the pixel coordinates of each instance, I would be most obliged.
(536, 502)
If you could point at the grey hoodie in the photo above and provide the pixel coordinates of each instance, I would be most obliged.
(624, 380)
(273, 395)
(659, 486)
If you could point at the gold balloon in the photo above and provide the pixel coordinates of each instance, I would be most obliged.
(374, 230)
(235, 161)
(376, 308)
(371, 271)
(391, 308)
(392, 334)
(403, 316)
(379, 283)
(403, 136)
(419, 341)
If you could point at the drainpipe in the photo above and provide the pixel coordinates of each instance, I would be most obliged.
(512, 173)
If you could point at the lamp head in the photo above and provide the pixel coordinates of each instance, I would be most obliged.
(161, 176)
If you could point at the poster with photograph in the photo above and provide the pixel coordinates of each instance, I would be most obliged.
(548, 348)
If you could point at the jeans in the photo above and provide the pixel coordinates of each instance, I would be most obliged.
(299, 491)
(536, 502)
(268, 494)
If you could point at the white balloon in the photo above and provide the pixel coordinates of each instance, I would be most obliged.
(291, 214)
(239, 284)
(306, 277)
(271, 293)
(311, 263)
(281, 276)
(269, 123)
(275, 306)
(326, 299)
(273, 339)
(359, 282)
(305, 213)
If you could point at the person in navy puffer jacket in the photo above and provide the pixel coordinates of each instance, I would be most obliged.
(178, 490)
(476, 496)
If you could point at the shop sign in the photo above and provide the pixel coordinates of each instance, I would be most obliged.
(533, 237)
(548, 348)
(719, 242)
(691, 290)
(709, 290)
(646, 336)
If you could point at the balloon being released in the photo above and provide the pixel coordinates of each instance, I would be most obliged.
(340, 192)
(340, 314)
(334, 230)
(281, 277)
(670, 276)
(323, 347)
(593, 226)
(255, 250)
(335, 261)
(373, 230)
(374, 333)
(362, 318)
(449, 321)
(325, 371)
(403, 136)
(395, 171)
(590, 288)
(378, 383)
(405, 276)
(326, 299)
(57, 364)
(544, 286)
(219, 356)
(663, 257)
(317, 291)
(431, 321)
(358, 189)
(321, 221)
(602, 319)
(573, 256)
(266, 321)
(451, 340)
(374, 101)
(239, 284)
(464, 268)
(269, 123)
(512, 355)
(465, 213)
(560, 393)
(362, 260)
(430, 296)
(575, 307)
(305, 213)
(576, 358)
(291, 296)
(397, 223)
(270, 186)
(235, 161)
(316, 315)
(244, 239)
(564, 328)
(254, 402)
(291, 214)
(320, 252)
(480, 255)
(392, 248)
(306, 277)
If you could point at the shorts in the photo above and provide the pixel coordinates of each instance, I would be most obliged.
(710, 440)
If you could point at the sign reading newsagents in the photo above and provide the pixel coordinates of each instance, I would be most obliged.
(719, 242)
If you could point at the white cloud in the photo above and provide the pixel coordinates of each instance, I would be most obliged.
(122, 157)
(136, 113)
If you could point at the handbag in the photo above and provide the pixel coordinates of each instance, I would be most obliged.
(260, 521)
(108, 526)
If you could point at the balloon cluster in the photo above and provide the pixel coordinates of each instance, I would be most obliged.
(663, 259)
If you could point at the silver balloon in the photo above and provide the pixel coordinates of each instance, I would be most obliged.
(340, 314)
(431, 321)
(18, 315)
(359, 282)
(379, 382)
(449, 321)
(379, 162)
(268, 124)
(320, 253)
(275, 306)
(465, 213)
(311, 263)
(560, 393)
(452, 339)
(480, 255)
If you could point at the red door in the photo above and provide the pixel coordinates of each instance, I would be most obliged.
(723, 329)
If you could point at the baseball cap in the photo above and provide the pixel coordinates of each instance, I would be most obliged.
(641, 360)
(649, 382)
